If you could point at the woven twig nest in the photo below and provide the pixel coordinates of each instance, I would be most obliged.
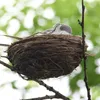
(46, 56)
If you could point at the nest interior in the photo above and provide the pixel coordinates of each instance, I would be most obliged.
(46, 56)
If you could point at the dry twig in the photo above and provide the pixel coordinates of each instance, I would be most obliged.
(57, 94)
(42, 98)
(84, 56)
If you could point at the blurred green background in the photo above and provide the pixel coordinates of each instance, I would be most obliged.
(26, 17)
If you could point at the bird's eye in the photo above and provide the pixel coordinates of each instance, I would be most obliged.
(65, 28)
(62, 28)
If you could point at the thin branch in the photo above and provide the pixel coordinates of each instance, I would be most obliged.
(59, 95)
(6, 65)
(4, 45)
(84, 56)
(18, 38)
(42, 98)
(4, 57)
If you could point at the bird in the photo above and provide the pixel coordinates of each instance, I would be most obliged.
(61, 29)
(58, 29)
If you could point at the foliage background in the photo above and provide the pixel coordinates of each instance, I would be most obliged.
(26, 17)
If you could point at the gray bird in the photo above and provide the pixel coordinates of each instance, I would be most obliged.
(59, 29)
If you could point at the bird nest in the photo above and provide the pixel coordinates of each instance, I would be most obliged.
(46, 56)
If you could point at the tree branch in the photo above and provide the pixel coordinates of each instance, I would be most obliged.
(6, 65)
(42, 98)
(18, 38)
(53, 90)
(4, 45)
(84, 56)
(57, 94)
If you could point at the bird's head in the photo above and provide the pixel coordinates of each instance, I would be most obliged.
(62, 28)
